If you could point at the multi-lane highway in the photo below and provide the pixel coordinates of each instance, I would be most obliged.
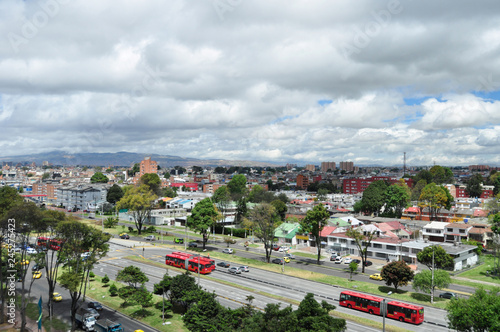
(256, 283)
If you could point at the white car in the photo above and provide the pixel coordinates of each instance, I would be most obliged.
(338, 260)
(347, 260)
(31, 251)
(283, 249)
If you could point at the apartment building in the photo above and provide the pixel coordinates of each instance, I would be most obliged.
(328, 165)
(302, 181)
(347, 166)
(148, 166)
(358, 185)
(310, 168)
(80, 197)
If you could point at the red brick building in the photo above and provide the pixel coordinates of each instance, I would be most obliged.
(358, 185)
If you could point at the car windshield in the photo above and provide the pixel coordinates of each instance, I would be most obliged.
(91, 319)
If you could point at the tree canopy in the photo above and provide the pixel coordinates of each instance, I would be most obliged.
(314, 222)
(133, 276)
(152, 181)
(480, 312)
(397, 274)
(264, 221)
(434, 198)
(396, 199)
(139, 201)
(474, 188)
(98, 177)
(114, 194)
(362, 242)
(203, 216)
(441, 258)
(373, 197)
(237, 186)
(423, 281)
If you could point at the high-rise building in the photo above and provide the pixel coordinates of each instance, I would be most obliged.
(148, 166)
(347, 166)
(328, 165)
(310, 168)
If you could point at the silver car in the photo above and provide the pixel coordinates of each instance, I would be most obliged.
(234, 270)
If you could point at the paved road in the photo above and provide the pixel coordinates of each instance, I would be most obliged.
(262, 282)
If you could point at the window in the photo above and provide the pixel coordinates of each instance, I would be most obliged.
(449, 230)
(377, 245)
(389, 247)
(462, 231)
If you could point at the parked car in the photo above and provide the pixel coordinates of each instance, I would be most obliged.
(179, 240)
(31, 251)
(234, 270)
(96, 305)
(124, 236)
(347, 260)
(357, 261)
(93, 312)
(223, 264)
(448, 295)
(192, 244)
(333, 257)
(56, 297)
(276, 247)
(227, 251)
(338, 260)
(244, 268)
(368, 263)
(283, 249)
(290, 256)
(37, 274)
(150, 238)
(376, 276)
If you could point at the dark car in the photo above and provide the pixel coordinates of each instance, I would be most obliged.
(192, 244)
(277, 261)
(357, 261)
(179, 240)
(37, 267)
(223, 264)
(124, 236)
(368, 263)
(448, 295)
(95, 305)
(276, 247)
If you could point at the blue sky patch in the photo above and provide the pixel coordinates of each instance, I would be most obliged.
(324, 102)
(420, 100)
(491, 95)
(283, 118)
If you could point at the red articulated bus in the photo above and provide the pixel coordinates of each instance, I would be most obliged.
(190, 262)
(42, 241)
(55, 244)
(397, 310)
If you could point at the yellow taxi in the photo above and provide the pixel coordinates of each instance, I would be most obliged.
(56, 297)
(376, 276)
(37, 275)
(287, 259)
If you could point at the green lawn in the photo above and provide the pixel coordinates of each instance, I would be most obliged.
(100, 293)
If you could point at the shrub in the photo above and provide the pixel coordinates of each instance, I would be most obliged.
(92, 275)
(130, 229)
(113, 290)
(151, 229)
(105, 279)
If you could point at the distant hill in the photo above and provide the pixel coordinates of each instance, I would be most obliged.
(122, 159)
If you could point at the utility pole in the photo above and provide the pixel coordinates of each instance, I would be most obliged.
(432, 277)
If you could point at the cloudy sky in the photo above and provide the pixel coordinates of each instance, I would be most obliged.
(283, 81)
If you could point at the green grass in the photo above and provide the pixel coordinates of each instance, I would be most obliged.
(100, 293)
(55, 325)
(479, 272)
(307, 255)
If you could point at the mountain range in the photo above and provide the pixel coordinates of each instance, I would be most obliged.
(122, 159)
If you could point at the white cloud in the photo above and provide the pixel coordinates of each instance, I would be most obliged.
(186, 79)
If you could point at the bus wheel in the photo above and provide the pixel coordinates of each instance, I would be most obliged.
(370, 312)
(401, 319)
(349, 306)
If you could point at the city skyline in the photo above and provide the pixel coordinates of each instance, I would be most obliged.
(280, 82)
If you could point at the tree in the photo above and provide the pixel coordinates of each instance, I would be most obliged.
(8, 198)
(311, 316)
(205, 313)
(479, 312)
(280, 208)
(115, 193)
(373, 196)
(424, 175)
(314, 222)
(474, 185)
(180, 287)
(105, 280)
(110, 222)
(139, 201)
(361, 240)
(237, 186)
(169, 192)
(441, 175)
(397, 274)
(417, 190)
(241, 210)
(133, 276)
(203, 216)
(396, 199)
(79, 238)
(135, 169)
(423, 281)
(441, 259)
(353, 267)
(98, 177)
(434, 198)
(152, 181)
(222, 200)
(322, 192)
(265, 220)
(142, 297)
(113, 290)
(163, 286)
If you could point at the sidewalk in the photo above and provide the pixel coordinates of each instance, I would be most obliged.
(477, 281)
